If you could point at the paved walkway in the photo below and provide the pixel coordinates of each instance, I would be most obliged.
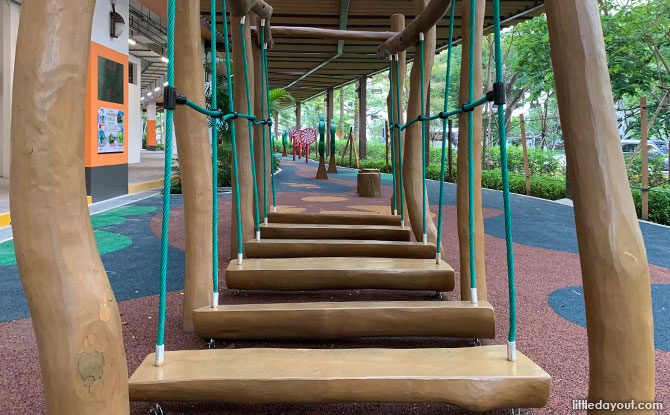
(549, 295)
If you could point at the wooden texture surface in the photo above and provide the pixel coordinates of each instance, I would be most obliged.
(195, 163)
(322, 33)
(246, 194)
(398, 24)
(335, 219)
(369, 184)
(615, 271)
(423, 23)
(413, 156)
(291, 248)
(328, 231)
(462, 160)
(337, 320)
(325, 273)
(74, 313)
(478, 379)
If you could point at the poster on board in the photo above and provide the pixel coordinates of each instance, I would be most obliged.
(110, 131)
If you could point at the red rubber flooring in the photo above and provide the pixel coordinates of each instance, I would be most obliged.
(554, 343)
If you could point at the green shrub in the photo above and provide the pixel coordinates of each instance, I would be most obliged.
(659, 204)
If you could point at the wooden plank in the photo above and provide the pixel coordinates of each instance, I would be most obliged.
(477, 379)
(329, 231)
(326, 273)
(336, 219)
(296, 248)
(337, 320)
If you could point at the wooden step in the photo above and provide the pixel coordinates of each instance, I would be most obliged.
(477, 378)
(292, 248)
(329, 231)
(329, 320)
(334, 219)
(339, 273)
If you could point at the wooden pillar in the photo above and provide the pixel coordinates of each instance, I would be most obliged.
(264, 192)
(298, 110)
(398, 25)
(450, 152)
(615, 271)
(644, 170)
(242, 137)
(341, 113)
(526, 169)
(329, 116)
(386, 146)
(195, 162)
(412, 142)
(74, 313)
(363, 116)
(427, 112)
(462, 161)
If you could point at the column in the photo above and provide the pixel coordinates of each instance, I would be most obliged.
(151, 126)
(362, 116)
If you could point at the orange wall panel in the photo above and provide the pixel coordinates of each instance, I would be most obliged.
(91, 156)
(151, 133)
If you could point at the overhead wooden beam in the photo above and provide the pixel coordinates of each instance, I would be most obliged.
(320, 33)
(410, 36)
(263, 10)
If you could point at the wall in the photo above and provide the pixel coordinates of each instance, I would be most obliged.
(9, 26)
(134, 114)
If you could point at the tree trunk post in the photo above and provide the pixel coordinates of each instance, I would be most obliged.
(451, 156)
(246, 185)
(363, 114)
(615, 270)
(195, 163)
(74, 313)
(330, 92)
(398, 25)
(462, 161)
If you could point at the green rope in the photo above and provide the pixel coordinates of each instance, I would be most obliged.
(233, 115)
(264, 57)
(251, 138)
(471, 211)
(399, 144)
(395, 197)
(423, 142)
(236, 178)
(215, 163)
(167, 173)
(209, 113)
(444, 131)
(505, 180)
(265, 162)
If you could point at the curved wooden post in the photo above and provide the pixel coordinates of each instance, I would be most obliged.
(195, 163)
(614, 264)
(397, 25)
(462, 162)
(242, 136)
(412, 142)
(73, 309)
(258, 129)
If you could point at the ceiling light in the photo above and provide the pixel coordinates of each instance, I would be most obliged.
(141, 98)
(164, 59)
(157, 89)
(149, 94)
(165, 83)
(132, 41)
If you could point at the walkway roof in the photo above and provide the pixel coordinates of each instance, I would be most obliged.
(292, 60)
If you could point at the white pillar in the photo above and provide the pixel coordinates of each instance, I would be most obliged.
(9, 26)
(134, 111)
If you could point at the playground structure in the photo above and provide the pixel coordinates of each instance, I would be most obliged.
(63, 271)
